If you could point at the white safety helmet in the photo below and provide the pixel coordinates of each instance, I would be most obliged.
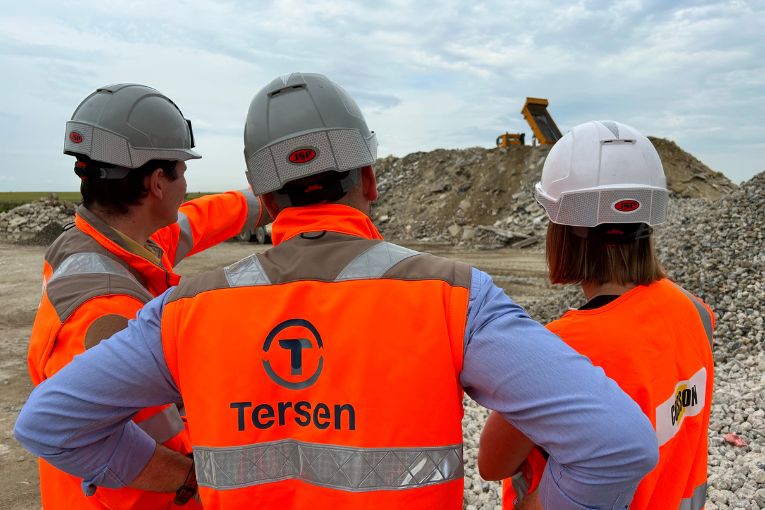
(128, 125)
(603, 172)
(300, 125)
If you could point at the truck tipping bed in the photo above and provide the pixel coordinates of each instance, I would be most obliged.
(541, 123)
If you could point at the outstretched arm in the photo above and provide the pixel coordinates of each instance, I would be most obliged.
(209, 220)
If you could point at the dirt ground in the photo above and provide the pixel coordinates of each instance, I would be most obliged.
(521, 273)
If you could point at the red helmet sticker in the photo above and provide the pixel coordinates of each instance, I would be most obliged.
(75, 137)
(302, 155)
(627, 206)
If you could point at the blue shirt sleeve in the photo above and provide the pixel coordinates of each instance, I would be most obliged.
(89, 406)
(600, 443)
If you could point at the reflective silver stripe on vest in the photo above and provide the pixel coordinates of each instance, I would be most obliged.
(246, 272)
(336, 467)
(254, 211)
(185, 238)
(706, 318)
(375, 262)
(91, 263)
(164, 425)
(697, 500)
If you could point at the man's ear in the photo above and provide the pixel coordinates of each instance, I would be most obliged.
(154, 183)
(271, 206)
(369, 183)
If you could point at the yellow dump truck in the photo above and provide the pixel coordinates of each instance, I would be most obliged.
(543, 127)
(539, 119)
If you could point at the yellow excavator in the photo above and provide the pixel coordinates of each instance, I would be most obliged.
(543, 127)
(507, 139)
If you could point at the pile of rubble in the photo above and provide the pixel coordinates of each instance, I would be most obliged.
(483, 197)
(38, 222)
(715, 249)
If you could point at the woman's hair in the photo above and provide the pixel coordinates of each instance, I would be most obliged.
(602, 254)
(116, 195)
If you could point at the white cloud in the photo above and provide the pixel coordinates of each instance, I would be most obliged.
(452, 74)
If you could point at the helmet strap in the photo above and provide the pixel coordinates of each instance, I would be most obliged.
(322, 188)
(91, 170)
(614, 233)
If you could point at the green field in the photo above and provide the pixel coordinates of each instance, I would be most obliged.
(11, 199)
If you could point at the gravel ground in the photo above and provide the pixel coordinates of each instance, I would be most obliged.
(715, 249)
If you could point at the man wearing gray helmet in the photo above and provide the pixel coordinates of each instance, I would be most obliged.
(131, 144)
(334, 364)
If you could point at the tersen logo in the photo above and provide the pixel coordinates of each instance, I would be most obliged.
(293, 359)
(302, 155)
(75, 137)
(294, 336)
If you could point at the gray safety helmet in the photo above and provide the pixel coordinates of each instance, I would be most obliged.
(127, 125)
(300, 125)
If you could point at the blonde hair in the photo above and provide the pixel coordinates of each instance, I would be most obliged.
(575, 259)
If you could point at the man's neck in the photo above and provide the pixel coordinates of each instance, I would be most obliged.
(133, 224)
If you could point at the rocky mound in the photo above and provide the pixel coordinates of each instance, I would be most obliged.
(687, 176)
(483, 196)
(38, 222)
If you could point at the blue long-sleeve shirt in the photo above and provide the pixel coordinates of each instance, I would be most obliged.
(599, 441)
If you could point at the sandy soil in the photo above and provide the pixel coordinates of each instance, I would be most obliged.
(520, 273)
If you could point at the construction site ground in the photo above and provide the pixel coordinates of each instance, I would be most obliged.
(520, 272)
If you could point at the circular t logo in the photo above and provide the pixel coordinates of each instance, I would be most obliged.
(293, 354)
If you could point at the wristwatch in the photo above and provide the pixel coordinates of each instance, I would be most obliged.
(189, 488)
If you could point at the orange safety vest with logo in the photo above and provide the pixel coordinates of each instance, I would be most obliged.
(655, 341)
(323, 373)
(93, 282)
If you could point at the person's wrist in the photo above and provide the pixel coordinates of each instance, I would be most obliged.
(189, 488)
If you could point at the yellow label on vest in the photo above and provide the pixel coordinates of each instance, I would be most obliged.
(688, 399)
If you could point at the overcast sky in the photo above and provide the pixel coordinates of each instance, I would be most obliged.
(427, 75)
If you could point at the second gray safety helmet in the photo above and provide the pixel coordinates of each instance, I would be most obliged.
(304, 124)
(128, 125)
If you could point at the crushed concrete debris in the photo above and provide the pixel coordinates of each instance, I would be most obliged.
(475, 196)
(38, 222)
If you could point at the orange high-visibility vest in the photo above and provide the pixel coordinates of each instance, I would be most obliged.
(323, 373)
(655, 341)
(88, 274)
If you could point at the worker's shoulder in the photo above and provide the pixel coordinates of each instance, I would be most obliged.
(425, 266)
(82, 270)
(192, 286)
(72, 241)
